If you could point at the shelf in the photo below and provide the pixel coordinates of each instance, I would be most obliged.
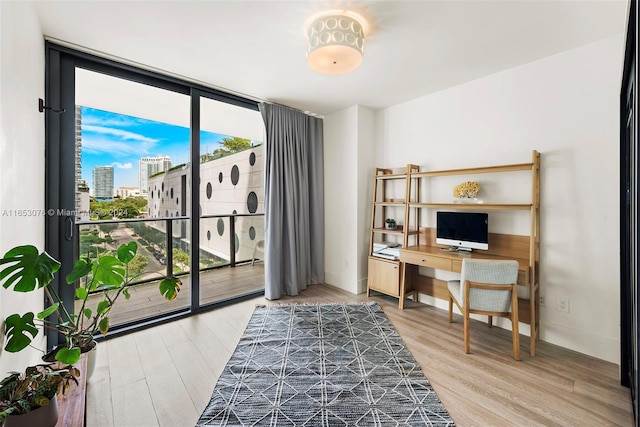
(469, 171)
(398, 231)
(475, 206)
(392, 176)
(394, 203)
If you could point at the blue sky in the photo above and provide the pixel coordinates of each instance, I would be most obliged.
(111, 139)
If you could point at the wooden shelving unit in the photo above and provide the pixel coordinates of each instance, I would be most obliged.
(391, 277)
(390, 199)
(503, 246)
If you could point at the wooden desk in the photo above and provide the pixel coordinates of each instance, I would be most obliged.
(413, 257)
(435, 257)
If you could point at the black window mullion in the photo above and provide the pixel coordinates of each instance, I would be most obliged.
(60, 153)
(195, 200)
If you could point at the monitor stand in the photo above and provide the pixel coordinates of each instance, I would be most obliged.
(457, 249)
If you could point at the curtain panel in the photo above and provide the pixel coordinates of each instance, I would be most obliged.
(294, 201)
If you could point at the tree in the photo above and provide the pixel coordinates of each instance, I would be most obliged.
(180, 257)
(108, 228)
(137, 265)
(233, 144)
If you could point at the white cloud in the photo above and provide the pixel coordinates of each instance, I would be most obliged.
(113, 120)
(119, 165)
(118, 133)
(102, 145)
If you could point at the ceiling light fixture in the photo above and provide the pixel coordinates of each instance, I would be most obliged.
(335, 41)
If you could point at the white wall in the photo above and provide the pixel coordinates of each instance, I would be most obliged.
(348, 165)
(340, 196)
(366, 163)
(566, 107)
(21, 154)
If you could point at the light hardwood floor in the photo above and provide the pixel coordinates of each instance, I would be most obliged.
(164, 376)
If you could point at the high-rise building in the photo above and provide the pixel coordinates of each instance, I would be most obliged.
(149, 166)
(82, 189)
(103, 183)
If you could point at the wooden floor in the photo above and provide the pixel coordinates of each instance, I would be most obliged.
(164, 376)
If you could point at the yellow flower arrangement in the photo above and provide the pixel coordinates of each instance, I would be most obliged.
(467, 189)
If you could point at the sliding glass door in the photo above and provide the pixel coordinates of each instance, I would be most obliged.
(121, 160)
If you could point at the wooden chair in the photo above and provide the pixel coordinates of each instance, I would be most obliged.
(486, 287)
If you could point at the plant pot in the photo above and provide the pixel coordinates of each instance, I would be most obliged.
(391, 226)
(91, 360)
(90, 350)
(44, 416)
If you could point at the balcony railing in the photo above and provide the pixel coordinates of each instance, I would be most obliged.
(225, 240)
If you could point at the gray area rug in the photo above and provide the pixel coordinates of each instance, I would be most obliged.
(322, 365)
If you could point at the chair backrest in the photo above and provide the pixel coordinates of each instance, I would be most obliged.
(492, 272)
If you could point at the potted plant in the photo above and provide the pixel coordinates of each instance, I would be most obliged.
(24, 268)
(390, 224)
(29, 398)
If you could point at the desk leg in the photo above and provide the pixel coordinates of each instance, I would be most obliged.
(403, 273)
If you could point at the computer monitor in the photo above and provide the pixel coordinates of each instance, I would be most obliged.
(463, 230)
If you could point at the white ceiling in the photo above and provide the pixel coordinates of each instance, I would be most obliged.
(257, 48)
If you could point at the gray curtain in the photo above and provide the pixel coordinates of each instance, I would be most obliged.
(294, 201)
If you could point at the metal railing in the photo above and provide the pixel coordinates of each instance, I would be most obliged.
(174, 238)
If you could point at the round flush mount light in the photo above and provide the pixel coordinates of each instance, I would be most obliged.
(335, 41)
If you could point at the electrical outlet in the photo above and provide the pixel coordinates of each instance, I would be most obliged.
(541, 301)
(562, 304)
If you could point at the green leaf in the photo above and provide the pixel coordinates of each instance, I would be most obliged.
(68, 355)
(87, 313)
(81, 268)
(169, 288)
(103, 325)
(126, 293)
(18, 329)
(82, 293)
(49, 311)
(27, 270)
(103, 307)
(109, 270)
(127, 251)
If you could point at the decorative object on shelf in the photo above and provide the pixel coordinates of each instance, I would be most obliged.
(466, 190)
(466, 200)
(29, 398)
(335, 41)
(390, 224)
(24, 268)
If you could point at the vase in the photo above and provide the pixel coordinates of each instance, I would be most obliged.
(91, 360)
(466, 200)
(44, 416)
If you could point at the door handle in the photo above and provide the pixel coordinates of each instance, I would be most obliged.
(68, 234)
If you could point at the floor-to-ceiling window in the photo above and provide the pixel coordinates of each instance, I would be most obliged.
(121, 160)
(630, 217)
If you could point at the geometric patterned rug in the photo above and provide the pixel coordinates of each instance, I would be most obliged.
(322, 365)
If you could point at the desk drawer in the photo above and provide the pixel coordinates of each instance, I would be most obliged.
(425, 260)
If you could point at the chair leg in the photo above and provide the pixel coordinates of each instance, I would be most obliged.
(466, 332)
(516, 339)
(450, 308)
(514, 324)
(490, 323)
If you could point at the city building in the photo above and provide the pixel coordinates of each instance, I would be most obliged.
(124, 192)
(149, 166)
(229, 184)
(82, 189)
(103, 183)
